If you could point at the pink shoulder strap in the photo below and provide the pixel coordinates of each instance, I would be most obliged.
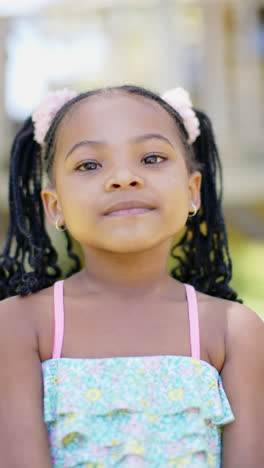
(193, 321)
(58, 320)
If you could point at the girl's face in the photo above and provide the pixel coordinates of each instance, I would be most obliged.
(114, 148)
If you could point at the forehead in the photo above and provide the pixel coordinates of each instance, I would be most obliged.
(116, 117)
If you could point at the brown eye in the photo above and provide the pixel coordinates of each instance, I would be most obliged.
(86, 166)
(154, 156)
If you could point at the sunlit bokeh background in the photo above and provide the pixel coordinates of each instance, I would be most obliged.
(214, 49)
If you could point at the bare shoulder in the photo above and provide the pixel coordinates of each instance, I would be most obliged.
(219, 320)
(226, 310)
(26, 305)
(25, 315)
(244, 331)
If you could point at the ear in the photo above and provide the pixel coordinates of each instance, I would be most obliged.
(51, 205)
(195, 182)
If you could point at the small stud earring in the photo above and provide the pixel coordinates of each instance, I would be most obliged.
(195, 210)
(59, 227)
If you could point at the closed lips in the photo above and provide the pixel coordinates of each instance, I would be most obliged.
(127, 205)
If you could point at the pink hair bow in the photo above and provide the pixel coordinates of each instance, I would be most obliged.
(179, 99)
(47, 110)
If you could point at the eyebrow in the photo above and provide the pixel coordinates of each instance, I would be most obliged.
(137, 139)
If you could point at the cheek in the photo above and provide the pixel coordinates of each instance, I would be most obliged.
(176, 205)
(176, 190)
(78, 205)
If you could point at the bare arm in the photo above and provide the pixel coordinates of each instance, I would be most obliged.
(243, 379)
(23, 435)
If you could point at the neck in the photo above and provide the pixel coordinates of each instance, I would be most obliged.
(128, 275)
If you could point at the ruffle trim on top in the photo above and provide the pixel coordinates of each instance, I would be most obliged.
(134, 411)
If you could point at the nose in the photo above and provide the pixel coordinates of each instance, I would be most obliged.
(123, 179)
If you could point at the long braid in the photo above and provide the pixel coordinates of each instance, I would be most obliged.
(207, 264)
(28, 262)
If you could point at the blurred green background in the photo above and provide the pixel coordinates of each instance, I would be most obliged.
(214, 49)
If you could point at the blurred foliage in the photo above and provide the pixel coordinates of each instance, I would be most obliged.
(248, 275)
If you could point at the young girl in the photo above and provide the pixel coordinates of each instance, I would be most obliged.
(123, 364)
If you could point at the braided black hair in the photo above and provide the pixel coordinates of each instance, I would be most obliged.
(29, 261)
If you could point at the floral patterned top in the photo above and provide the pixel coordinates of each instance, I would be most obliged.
(142, 411)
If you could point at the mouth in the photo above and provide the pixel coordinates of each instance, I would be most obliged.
(130, 212)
